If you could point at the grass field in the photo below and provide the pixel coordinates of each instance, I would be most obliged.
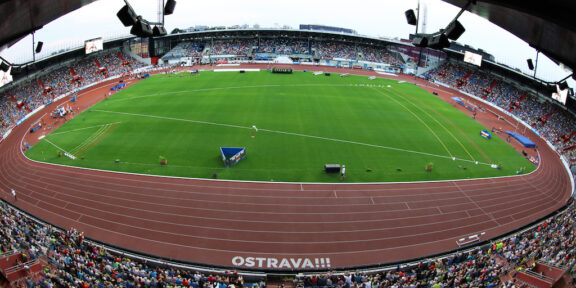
(382, 130)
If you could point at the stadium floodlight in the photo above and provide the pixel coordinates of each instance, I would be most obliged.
(141, 29)
(127, 16)
(438, 41)
(454, 30)
(169, 8)
(159, 31)
(420, 40)
(410, 17)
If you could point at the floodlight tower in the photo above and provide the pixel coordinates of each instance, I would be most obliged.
(413, 20)
(424, 16)
(161, 11)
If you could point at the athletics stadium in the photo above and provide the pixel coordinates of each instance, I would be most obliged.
(301, 157)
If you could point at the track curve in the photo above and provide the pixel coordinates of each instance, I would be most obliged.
(278, 225)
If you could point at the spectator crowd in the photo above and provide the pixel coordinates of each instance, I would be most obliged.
(75, 262)
(23, 97)
(495, 264)
(71, 261)
(553, 123)
(283, 46)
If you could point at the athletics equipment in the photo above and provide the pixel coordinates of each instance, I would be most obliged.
(282, 70)
(232, 155)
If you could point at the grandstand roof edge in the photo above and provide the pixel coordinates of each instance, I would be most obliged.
(503, 66)
(37, 12)
(392, 41)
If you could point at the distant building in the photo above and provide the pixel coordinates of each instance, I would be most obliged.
(327, 28)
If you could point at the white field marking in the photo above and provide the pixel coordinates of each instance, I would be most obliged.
(232, 87)
(74, 130)
(90, 140)
(435, 118)
(109, 230)
(171, 118)
(292, 134)
(90, 170)
(56, 146)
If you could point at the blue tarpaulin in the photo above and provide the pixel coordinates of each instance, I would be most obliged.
(458, 99)
(461, 102)
(118, 87)
(522, 139)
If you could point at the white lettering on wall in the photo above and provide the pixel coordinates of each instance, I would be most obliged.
(281, 263)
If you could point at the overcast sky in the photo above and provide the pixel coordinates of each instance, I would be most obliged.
(373, 18)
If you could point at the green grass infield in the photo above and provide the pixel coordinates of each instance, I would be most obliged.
(382, 130)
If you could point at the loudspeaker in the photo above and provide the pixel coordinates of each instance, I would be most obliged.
(127, 16)
(141, 29)
(327, 74)
(4, 66)
(420, 41)
(39, 46)
(410, 17)
(242, 71)
(530, 64)
(562, 85)
(438, 41)
(159, 31)
(169, 8)
(455, 30)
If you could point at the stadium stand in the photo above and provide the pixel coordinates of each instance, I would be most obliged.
(556, 125)
(550, 244)
(246, 48)
(70, 260)
(29, 94)
(34, 253)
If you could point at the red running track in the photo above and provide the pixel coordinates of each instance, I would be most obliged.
(281, 225)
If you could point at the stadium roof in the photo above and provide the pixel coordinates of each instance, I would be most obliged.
(547, 26)
(19, 18)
